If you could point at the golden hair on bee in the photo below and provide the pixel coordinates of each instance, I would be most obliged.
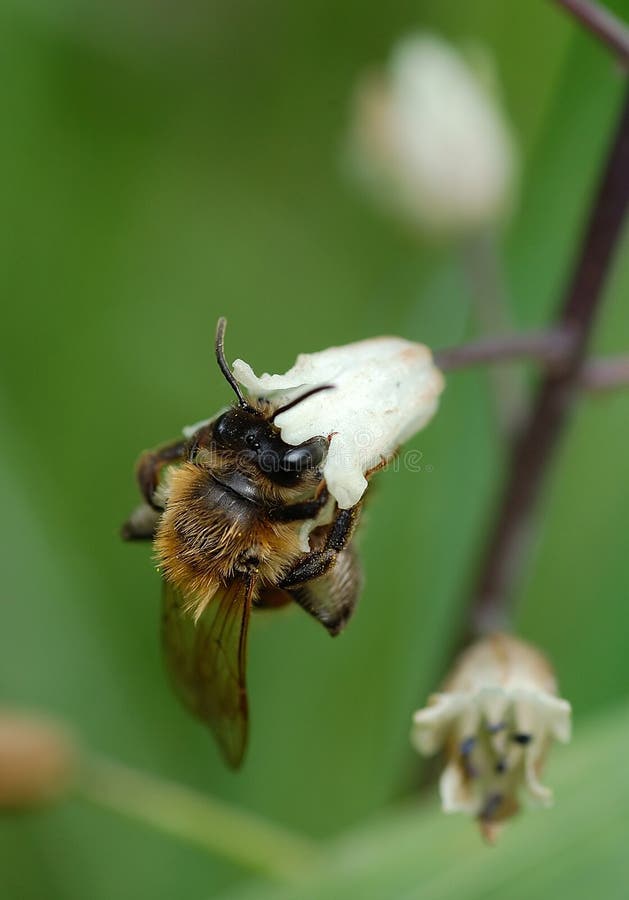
(231, 508)
(206, 520)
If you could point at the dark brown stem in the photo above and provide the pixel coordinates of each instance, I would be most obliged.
(491, 311)
(601, 22)
(491, 600)
(549, 348)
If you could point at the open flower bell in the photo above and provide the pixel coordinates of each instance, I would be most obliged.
(495, 718)
(383, 390)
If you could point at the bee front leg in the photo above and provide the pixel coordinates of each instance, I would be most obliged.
(297, 512)
(140, 526)
(152, 462)
(317, 563)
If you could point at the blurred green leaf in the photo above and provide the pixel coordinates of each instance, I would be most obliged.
(577, 849)
(161, 168)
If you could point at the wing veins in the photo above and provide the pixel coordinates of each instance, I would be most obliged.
(207, 660)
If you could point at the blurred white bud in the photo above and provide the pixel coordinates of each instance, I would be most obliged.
(430, 141)
(496, 717)
(384, 390)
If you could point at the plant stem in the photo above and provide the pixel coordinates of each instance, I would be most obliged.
(241, 837)
(492, 597)
(483, 266)
(550, 348)
(601, 22)
(606, 374)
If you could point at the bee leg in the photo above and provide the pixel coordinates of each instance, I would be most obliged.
(331, 599)
(317, 563)
(295, 512)
(384, 462)
(141, 524)
(151, 464)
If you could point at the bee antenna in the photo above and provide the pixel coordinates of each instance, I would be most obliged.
(302, 397)
(222, 362)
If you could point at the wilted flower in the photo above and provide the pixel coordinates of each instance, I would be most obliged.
(496, 718)
(384, 390)
(430, 141)
(37, 760)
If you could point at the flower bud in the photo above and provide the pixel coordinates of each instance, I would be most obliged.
(495, 718)
(430, 142)
(37, 760)
(383, 390)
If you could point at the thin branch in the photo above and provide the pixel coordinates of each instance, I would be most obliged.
(611, 30)
(549, 348)
(492, 313)
(492, 597)
(606, 374)
(247, 840)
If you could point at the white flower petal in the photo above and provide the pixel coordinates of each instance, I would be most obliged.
(532, 763)
(470, 716)
(528, 714)
(497, 718)
(385, 389)
(189, 430)
(457, 795)
(494, 702)
(431, 724)
(558, 714)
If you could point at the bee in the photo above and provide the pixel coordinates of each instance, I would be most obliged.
(227, 510)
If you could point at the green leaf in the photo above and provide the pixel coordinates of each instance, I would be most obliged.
(577, 849)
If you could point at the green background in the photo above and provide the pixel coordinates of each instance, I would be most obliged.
(166, 163)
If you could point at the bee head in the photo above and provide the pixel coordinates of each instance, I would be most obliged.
(253, 436)
(255, 439)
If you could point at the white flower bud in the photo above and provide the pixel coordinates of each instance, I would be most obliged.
(496, 718)
(384, 390)
(430, 141)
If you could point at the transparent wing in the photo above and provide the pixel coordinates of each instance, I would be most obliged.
(207, 661)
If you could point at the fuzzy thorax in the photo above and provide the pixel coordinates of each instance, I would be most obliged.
(208, 536)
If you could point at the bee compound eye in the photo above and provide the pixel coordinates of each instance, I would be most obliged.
(269, 461)
(306, 456)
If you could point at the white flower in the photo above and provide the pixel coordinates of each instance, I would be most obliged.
(430, 141)
(384, 390)
(496, 718)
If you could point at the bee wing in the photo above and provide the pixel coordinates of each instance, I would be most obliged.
(207, 661)
(332, 598)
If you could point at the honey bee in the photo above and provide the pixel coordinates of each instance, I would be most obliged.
(226, 509)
